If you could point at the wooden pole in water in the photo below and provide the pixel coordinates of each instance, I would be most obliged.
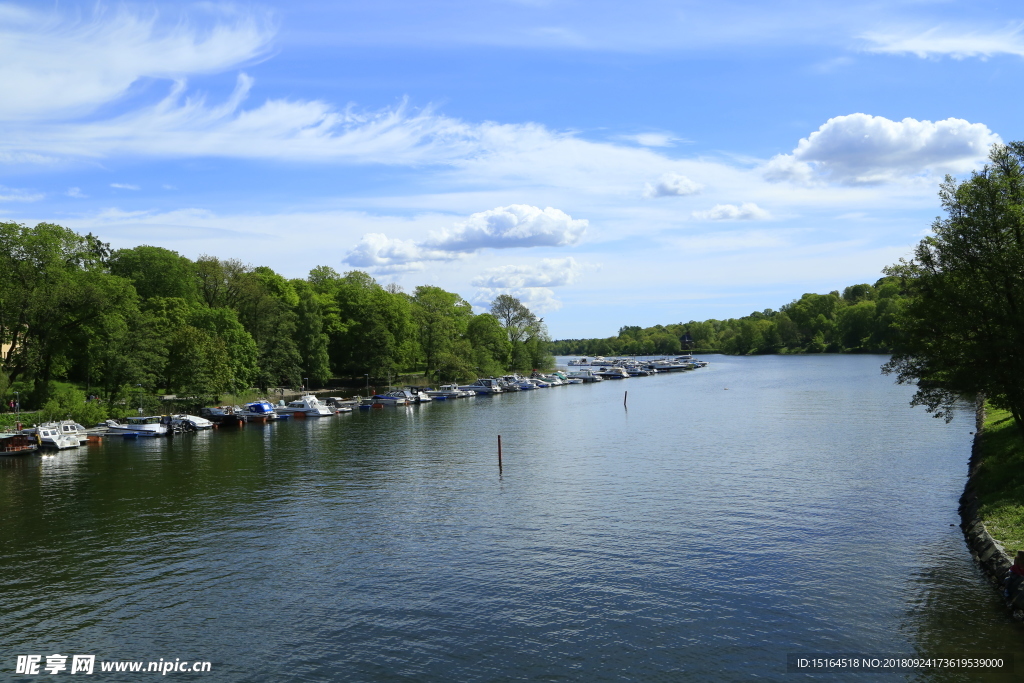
(624, 397)
(499, 453)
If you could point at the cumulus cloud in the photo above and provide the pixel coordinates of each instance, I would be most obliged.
(52, 66)
(505, 227)
(747, 211)
(518, 225)
(862, 149)
(537, 299)
(672, 185)
(940, 40)
(379, 252)
(546, 273)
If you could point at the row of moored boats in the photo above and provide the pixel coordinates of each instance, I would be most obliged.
(69, 434)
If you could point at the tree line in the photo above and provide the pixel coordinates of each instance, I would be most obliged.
(147, 320)
(861, 319)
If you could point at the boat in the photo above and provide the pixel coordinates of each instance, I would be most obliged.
(307, 405)
(259, 411)
(586, 376)
(190, 423)
(614, 372)
(579, 361)
(339, 404)
(224, 416)
(68, 428)
(483, 386)
(392, 398)
(449, 391)
(144, 426)
(17, 444)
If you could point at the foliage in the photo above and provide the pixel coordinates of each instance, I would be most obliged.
(138, 323)
(860, 320)
(999, 481)
(962, 330)
(71, 404)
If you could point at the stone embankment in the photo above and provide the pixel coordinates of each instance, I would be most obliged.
(987, 551)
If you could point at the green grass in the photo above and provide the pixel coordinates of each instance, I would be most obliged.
(1000, 480)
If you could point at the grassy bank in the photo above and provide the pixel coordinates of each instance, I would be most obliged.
(1000, 480)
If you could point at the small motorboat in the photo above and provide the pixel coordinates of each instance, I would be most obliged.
(144, 426)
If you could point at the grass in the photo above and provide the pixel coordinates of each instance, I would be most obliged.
(1000, 480)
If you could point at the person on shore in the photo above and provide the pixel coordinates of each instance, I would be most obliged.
(1017, 568)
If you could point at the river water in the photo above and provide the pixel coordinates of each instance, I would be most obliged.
(722, 519)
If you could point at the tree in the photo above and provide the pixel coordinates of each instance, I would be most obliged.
(442, 319)
(520, 325)
(962, 331)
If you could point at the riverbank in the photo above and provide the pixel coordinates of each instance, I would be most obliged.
(992, 506)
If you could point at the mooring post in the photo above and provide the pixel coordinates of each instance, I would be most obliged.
(624, 397)
(499, 453)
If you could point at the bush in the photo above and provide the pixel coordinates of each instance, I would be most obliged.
(70, 404)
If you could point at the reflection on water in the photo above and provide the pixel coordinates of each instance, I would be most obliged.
(731, 515)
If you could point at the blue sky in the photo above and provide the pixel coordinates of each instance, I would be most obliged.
(609, 163)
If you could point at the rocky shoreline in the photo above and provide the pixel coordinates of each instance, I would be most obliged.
(986, 551)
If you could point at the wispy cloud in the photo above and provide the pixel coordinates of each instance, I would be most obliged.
(8, 194)
(76, 192)
(55, 66)
(957, 42)
(124, 186)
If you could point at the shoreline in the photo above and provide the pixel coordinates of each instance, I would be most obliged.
(987, 552)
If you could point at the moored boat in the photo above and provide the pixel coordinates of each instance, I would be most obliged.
(18, 444)
(145, 426)
(307, 405)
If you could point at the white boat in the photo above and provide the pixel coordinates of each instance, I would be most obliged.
(146, 426)
(71, 428)
(393, 398)
(483, 386)
(49, 435)
(308, 405)
(190, 422)
(586, 376)
(613, 372)
(449, 391)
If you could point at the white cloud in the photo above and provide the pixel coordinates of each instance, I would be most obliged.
(956, 43)
(517, 225)
(863, 149)
(537, 299)
(124, 186)
(546, 273)
(379, 252)
(53, 67)
(652, 139)
(76, 192)
(672, 185)
(8, 194)
(747, 211)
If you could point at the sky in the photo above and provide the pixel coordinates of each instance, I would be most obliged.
(608, 163)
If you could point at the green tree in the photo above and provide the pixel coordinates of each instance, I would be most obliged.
(962, 331)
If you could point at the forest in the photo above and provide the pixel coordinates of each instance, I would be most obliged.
(78, 317)
(861, 319)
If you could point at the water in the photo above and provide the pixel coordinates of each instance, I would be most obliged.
(729, 516)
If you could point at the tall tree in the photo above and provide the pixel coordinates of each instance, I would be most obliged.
(962, 332)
